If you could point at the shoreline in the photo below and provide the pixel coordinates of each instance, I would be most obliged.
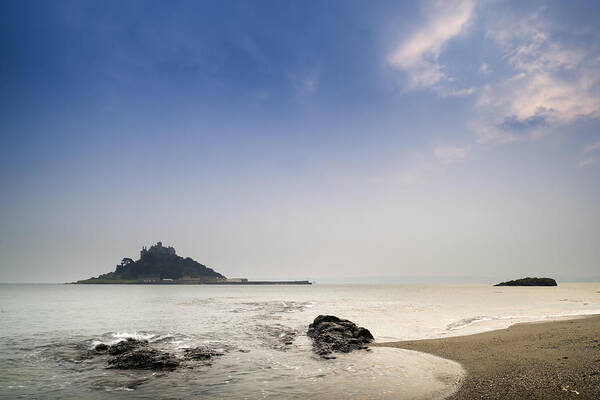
(247, 283)
(534, 360)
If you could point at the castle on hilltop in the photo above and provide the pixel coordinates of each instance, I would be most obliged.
(161, 265)
(157, 249)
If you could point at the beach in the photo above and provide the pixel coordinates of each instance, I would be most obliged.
(261, 331)
(540, 360)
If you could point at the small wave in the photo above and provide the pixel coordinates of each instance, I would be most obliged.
(272, 307)
(467, 321)
(118, 389)
(463, 323)
(276, 336)
(119, 336)
(116, 337)
(94, 344)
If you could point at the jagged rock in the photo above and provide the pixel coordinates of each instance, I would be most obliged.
(144, 359)
(125, 346)
(529, 282)
(201, 353)
(137, 354)
(333, 334)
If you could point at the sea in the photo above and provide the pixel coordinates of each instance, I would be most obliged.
(46, 329)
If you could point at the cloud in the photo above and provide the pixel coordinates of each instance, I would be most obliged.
(546, 78)
(554, 81)
(451, 154)
(591, 147)
(410, 177)
(450, 92)
(513, 123)
(587, 161)
(304, 84)
(590, 159)
(485, 69)
(418, 55)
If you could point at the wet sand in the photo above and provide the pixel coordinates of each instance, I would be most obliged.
(543, 360)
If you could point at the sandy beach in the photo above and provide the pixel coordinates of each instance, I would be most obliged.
(544, 360)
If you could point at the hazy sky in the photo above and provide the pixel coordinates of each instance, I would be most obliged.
(301, 139)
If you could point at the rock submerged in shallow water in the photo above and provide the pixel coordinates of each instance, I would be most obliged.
(200, 353)
(125, 345)
(137, 354)
(332, 334)
(278, 337)
(144, 359)
(100, 348)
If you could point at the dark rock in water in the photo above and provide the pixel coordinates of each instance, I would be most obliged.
(333, 334)
(125, 346)
(137, 354)
(529, 282)
(115, 349)
(201, 353)
(144, 359)
(101, 347)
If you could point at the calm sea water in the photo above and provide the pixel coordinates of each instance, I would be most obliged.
(44, 329)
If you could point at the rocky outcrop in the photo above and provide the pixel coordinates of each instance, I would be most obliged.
(332, 334)
(529, 282)
(144, 358)
(125, 345)
(137, 354)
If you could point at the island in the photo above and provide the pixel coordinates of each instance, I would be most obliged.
(161, 265)
(529, 282)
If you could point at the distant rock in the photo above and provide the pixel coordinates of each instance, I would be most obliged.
(332, 334)
(529, 282)
(144, 358)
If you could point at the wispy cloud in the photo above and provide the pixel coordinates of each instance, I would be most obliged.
(587, 161)
(410, 177)
(418, 55)
(424, 164)
(485, 69)
(451, 154)
(588, 151)
(591, 147)
(304, 84)
(451, 92)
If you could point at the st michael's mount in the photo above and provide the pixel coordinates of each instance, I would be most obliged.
(161, 265)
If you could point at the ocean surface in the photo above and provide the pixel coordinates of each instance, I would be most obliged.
(45, 330)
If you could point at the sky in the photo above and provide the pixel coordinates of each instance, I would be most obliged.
(326, 140)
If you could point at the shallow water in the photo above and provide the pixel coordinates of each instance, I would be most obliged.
(44, 330)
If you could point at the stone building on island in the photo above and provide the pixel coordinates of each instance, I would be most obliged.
(157, 249)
